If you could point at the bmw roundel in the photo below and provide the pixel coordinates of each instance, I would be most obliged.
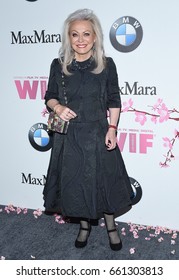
(126, 34)
(137, 191)
(39, 137)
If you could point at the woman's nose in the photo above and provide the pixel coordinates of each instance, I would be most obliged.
(80, 38)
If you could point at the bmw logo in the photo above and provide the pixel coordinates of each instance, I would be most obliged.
(137, 191)
(126, 34)
(39, 138)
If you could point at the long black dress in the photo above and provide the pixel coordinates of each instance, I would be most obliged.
(84, 179)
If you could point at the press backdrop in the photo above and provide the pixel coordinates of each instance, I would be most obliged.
(142, 37)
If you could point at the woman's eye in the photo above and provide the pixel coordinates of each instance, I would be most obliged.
(74, 35)
(86, 34)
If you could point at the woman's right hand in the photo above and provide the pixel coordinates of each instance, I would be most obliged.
(64, 112)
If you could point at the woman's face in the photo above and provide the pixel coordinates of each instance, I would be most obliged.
(82, 38)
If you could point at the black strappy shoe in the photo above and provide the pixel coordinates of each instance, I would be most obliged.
(114, 246)
(81, 244)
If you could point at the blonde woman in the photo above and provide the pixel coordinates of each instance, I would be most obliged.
(86, 177)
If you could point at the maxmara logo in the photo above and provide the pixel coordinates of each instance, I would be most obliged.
(35, 38)
(31, 180)
(137, 89)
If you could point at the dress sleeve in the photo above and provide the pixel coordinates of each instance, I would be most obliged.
(113, 96)
(52, 87)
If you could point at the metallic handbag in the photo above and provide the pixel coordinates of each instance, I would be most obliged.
(55, 123)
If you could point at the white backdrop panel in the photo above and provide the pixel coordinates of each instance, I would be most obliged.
(154, 63)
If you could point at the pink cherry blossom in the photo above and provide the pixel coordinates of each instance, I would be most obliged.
(132, 251)
(159, 101)
(44, 112)
(37, 213)
(25, 211)
(59, 219)
(141, 227)
(127, 105)
(123, 231)
(160, 239)
(140, 117)
(163, 112)
(132, 228)
(167, 142)
(173, 242)
(148, 228)
(9, 208)
(102, 224)
(152, 235)
(174, 236)
(154, 119)
(135, 234)
(18, 210)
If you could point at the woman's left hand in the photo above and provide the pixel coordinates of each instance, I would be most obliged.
(111, 139)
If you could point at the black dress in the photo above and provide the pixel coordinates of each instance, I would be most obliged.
(84, 179)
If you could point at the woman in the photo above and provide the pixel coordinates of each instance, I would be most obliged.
(86, 175)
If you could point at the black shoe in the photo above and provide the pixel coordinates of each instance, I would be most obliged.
(81, 244)
(114, 246)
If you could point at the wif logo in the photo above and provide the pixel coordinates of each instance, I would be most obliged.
(134, 141)
(126, 34)
(31, 87)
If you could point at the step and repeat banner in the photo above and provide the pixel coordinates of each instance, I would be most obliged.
(142, 38)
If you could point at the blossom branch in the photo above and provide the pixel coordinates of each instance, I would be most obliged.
(160, 113)
(169, 155)
(151, 114)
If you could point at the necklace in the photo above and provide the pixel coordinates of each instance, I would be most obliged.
(83, 64)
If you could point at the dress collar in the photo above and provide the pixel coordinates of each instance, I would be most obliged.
(82, 65)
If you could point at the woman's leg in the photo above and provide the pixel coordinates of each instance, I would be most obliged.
(114, 239)
(84, 232)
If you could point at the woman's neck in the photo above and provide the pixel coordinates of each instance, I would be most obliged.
(82, 57)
